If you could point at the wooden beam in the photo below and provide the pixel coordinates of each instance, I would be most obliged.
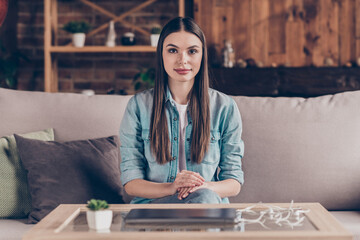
(122, 16)
(47, 45)
(181, 8)
(98, 8)
(117, 18)
(113, 17)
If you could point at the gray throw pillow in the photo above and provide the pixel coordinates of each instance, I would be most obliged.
(70, 172)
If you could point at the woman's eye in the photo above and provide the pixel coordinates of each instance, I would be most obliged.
(172, 50)
(193, 51)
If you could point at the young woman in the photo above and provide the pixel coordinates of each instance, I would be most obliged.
(181, 141)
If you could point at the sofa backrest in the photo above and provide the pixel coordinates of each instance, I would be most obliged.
(306, 150)
(73, 116)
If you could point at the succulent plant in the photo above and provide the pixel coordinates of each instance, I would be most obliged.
(77, 27)
(156, 29)
(96, 204)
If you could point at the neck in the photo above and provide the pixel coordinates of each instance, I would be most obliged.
(180, 91)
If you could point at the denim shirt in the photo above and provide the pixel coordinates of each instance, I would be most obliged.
(222, 160)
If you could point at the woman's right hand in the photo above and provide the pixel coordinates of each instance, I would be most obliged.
(187, 179)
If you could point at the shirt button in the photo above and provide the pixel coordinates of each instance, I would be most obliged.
(175, 118)
(213, 138)
(172, 178)
(175, 138)
(173, 157)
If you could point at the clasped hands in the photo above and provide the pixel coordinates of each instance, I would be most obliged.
(187, 182)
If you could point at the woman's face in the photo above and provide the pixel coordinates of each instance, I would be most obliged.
(182, 54)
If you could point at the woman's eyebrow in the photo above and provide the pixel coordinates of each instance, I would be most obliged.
(171, 45)
(194, 46)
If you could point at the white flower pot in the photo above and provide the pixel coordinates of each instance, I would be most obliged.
(154, 38)
(99, 220)
(78, 39)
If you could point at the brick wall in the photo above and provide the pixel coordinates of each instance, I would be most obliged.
(97, 71)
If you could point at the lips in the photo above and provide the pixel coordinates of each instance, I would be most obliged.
(182, 71)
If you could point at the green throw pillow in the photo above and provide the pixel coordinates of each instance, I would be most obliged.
(15, 200)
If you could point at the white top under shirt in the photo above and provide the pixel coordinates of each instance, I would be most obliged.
(182, 126)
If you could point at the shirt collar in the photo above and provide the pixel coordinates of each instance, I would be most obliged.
(169, 97)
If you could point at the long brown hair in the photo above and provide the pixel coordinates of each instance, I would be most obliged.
(198, 105)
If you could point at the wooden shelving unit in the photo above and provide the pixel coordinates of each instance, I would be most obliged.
(51, 48)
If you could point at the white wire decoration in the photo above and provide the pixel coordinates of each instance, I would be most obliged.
(290, 217)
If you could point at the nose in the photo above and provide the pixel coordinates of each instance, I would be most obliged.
(183, 58)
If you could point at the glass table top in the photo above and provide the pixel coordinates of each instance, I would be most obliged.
(246, 220)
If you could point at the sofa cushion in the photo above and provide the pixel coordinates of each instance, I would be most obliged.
(306, 150)
(13, 229)
(70, 172)
(15, 201)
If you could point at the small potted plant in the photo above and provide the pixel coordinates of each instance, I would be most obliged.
(155, 34)
(78, 30)
(98, 217)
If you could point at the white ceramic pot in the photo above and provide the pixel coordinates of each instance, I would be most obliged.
(154, 38)
(99, 220)
(78, 39)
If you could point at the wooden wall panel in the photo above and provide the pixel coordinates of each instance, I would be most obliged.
(259, 30)
(242, 28)
(328, 29)
(346, 31)
(290, 32)
(295, 37)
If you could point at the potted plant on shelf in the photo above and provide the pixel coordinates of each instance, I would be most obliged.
(98, 217)
(155, 34)
(78, 30)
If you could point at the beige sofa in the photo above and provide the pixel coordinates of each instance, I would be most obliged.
(306, 150)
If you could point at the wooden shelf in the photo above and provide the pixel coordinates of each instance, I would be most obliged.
(51, 33)
(94, 49)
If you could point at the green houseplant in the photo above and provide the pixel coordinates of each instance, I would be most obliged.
(98, 217)
(144, 79)
(78, 29)
(155, 34)
(9, 64)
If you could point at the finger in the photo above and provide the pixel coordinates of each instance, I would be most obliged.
(185, 193)
(194, 189)
(196, 174)
(182, 192)
(188, 184)
(192, 177)
(201, 177)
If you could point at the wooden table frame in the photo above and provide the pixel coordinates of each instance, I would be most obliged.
(50, 228)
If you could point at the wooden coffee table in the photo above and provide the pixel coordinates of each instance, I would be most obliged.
(68, 221)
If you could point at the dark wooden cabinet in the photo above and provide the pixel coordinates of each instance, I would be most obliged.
(292, 82)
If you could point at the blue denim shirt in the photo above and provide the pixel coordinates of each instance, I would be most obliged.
(222, 160)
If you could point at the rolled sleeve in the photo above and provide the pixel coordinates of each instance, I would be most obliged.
(232, 146)
(133, 162)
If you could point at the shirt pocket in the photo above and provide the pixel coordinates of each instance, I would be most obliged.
(212, 156)
(145, 135)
